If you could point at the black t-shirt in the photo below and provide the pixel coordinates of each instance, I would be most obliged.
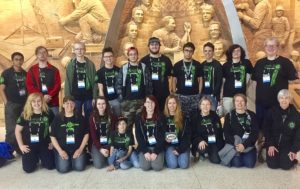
(272, 76)
(69, 132)
(187, 74)
(236, 77)
(212, 78)
(36, 129)
(107, 77)
(134, 84)
(121, 141)
(160, 69)
(15, 89)
(79, 90)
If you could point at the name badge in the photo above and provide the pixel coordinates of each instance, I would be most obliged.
(103, 140)
(211, 139)
(237, 84)
(152, 140)
(70, 139)
(245, 136)
(44, 88)
(171, 136)
(81, 84)
(188, 83)
(134, 88)
(34, 138)
(155, 76)
(206, 84)
(110, 90)
(22, 92)
(266, 78)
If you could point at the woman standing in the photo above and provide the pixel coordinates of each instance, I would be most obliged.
(69, 136)
(101, 123)
(207, 131)
(150, 130)
(32, 133)
(241, 133)
(178, 135)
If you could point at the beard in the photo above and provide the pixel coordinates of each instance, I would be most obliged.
(154, 52)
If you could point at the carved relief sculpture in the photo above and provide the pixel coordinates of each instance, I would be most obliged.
(208, 12)
(280, 26)
(93, 20)
(220, 52)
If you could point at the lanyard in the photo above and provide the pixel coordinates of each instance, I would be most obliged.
(243, 122)
(206, 123)
(172, 125)
(42, 75)
(152, 64)
(150, 124)
(109, 76)
(236, 69)
(131, 74)
(38, 123)
(20, 78)
(187, 72)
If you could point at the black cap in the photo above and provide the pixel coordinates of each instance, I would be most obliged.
(153, 40)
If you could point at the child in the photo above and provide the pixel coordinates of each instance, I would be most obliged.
(120, 147)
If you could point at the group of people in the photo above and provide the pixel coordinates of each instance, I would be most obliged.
(149, 113)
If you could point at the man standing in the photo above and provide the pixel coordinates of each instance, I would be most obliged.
(160, 67)
(44, 78)
(14, 94)
(212, 75)
(106, 79)
(80, 80)
(187, 80)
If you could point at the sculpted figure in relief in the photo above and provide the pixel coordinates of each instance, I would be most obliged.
(280, 26)
(92, 17)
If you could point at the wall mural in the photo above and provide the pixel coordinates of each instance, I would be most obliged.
(58, 23)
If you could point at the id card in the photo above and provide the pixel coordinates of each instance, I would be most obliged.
(152, 140)
(237, 84)
(134, 88)
(70, 139)
(44, 88)
(110, 90)
(206, 84)
(245, 136)
(103, 140)
(34, 138)
(155, 76)
(22, 92)
(266, 78)
(211, 139)
(81, 84)
(188, 83)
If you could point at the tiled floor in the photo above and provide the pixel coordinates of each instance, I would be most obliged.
(202, 175)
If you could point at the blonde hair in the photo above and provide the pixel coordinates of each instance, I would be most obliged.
(28, 111)
(178, 113)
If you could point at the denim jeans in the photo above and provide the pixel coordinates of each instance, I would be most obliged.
(64, 166)
(87, 108)
(214, 102)
(115, 106)
(117, 154)
(55, 110)
(99, 161)
(134, 158)
(173, 161)
(244, 159)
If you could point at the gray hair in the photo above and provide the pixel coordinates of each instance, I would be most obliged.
(205, 98)
(284, 93)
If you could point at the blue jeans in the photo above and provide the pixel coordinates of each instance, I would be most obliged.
(64, 166)
(134, 158)
(214, 102)
(173, 161)
(55, 110)
(245, 159)
(117, 154)
(212, 151)
(99, 160)
(87, 108)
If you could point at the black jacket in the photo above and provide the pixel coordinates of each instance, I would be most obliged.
(200, 133)
(233, 127)
(184, 137)
(159, 134)
(282, 133)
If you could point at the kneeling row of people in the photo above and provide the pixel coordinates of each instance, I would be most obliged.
(159, 137)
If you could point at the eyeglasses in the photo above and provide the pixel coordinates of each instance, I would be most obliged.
(188, 50)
